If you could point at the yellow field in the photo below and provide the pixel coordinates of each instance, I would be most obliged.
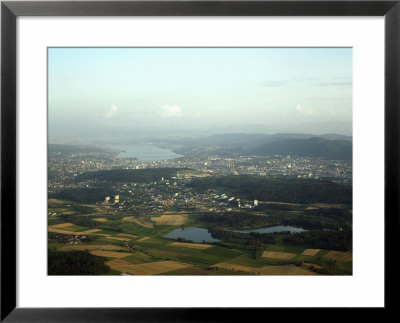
(170, 219)
(267, 270)
(140, 222)
(278, 255)
(340, 256)
(143, 239)
(151, 268)
(61, 231)
(99, 234)
(191, 245)
(91, 231)
(61, 225)
(116, 262)
(63, 211)
(56, 201)
(90, 247)
(66, 230)
(113, 254)
(100, 219)
(118, 238)
(310, 252)
(94, 232)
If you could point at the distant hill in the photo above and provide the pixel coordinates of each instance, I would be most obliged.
(311, 147)
(270, 128)
(236, 138)
(330, 146)
(335, 136)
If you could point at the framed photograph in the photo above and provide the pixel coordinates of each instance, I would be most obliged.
(161, 159)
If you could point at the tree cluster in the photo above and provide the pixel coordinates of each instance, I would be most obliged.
(278, 189)
(76, 263)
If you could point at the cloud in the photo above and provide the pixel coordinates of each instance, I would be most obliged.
(303, 110)
(168, 111)
(112, 112)
(197, 114)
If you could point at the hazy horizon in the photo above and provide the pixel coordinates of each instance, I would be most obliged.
(144, 92)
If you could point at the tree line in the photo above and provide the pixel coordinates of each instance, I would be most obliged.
(278, 189)
(339, 239)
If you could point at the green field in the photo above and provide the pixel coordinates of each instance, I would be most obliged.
(243, 250)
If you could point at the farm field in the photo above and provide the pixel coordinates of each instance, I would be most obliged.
(133, 245)
(109, 254)
(339, 256)
(100, 219)
(91, 247)
(142, 223)
(118, 238)
(64, 225)
(310, 252)
(170, 219)
(152, 268)
(278, 255)
(266, 270)
(143, 239)
(191, 245)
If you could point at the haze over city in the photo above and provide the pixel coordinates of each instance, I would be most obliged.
(102, 93)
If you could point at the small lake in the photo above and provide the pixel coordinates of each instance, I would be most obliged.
(191, 233)
(146, 152)
(278, 228)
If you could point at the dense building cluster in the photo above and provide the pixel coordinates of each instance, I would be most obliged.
(63, 169)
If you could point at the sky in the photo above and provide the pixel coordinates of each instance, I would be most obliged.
(112, 89)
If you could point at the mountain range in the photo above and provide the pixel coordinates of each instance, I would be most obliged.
(329, 146)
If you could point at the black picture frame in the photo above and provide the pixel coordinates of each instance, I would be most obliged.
(10, 10)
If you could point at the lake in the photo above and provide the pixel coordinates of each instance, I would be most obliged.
(146, 152)
(278, 228)
(191, 233)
